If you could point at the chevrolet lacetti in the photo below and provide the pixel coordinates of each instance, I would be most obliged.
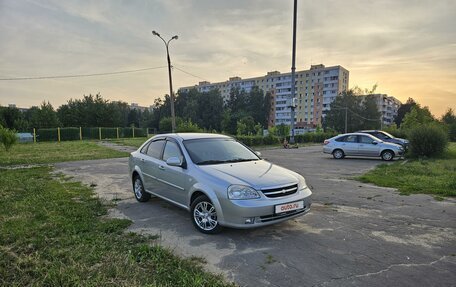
(218, 179)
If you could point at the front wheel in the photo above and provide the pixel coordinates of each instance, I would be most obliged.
(387, 155)
(204, 215)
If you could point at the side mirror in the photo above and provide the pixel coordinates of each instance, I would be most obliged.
(374, 142)
(258, 153)
(174, 161)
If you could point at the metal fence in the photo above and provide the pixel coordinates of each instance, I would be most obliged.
(83, 133)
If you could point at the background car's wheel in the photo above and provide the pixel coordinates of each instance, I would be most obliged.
(204, 216)
(338, 154)
(138, 189)
(387, 155)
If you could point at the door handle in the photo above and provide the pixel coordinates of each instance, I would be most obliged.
(161, 167)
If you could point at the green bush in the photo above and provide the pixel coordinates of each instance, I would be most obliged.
(7, 138)
(189, 127)
(452, 132)
(310, 137)
(428, 140)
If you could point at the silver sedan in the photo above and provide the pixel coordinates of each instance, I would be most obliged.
(361, 144)
(219, 180)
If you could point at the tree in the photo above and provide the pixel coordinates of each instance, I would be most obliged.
(7, 137)
(404, 109)
(371, 114)
(449, 120)
(346, 104)
(416, 117)
(12, 118)
(43, 117)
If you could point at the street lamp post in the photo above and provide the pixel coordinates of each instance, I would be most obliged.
(293, 68)
(171, 94)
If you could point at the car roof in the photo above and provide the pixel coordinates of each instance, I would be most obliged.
(192, 136)
(357, 133)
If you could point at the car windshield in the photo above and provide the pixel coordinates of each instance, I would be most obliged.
(216, 151)
(387, 135)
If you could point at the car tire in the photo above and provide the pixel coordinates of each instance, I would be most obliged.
(387, 155)
(204, 215)
(338, 154)
(138, 190)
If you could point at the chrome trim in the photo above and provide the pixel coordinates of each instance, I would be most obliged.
(280, 191)
(169, 183)
(279, 186)
(164, 181)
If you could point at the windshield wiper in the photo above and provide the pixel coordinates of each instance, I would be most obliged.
(241, 159)
(212, 161)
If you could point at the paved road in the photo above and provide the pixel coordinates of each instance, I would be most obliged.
(355, 235)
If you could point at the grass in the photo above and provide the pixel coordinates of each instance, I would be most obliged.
(427, 176)
(50, 152)
(134, 142)
(54, 233)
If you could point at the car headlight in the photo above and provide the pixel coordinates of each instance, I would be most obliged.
(302, 183)
(242, 192)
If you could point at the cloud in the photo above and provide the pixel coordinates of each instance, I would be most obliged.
(395, 43)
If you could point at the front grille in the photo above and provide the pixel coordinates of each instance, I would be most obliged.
(272, 217)
(280, 191)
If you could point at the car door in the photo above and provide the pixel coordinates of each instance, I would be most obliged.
(350, 145)
(367, 147)
(175, 180)
(150, 163)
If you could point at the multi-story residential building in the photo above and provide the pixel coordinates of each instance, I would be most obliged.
(316, 88)
(387, 106)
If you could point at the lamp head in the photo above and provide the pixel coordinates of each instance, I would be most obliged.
(155, 33)
(175, 37)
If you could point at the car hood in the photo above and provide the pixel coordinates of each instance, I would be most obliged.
(257, 174)
(397, 140)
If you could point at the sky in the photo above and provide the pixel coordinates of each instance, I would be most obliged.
(406, 47)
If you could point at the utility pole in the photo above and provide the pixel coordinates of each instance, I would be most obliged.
(293, 68)
(171, 94)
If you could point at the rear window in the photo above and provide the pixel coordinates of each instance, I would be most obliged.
(341, 139)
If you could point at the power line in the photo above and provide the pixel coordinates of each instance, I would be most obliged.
(189, 73)
(79, 75)
(357, 114)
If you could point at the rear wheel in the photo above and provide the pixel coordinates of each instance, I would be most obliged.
(338, 154)
(138, 189)
(387, 155)
(204, 215)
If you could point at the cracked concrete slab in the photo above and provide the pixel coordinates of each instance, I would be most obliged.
(355, 235)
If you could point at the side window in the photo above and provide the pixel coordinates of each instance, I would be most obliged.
(366, 140)
(341, 139)
(155, 148)
(144, 149)
(172, 150)
(351, 139)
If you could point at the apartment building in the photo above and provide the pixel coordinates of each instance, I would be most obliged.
(388, 107)
(316, 88)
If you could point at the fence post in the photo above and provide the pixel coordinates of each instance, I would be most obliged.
(133, 129)
(80, 133)
(99, 132)
(117, 129)
(58, 134)
(34, 135)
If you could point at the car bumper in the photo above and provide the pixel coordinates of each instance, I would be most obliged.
(327, 149)
(261, 212)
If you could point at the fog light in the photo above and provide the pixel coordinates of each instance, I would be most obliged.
(250, 220)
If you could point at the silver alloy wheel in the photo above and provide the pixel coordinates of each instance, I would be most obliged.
(338, 154)
(138, 188)
(387, 155)
(205, 216)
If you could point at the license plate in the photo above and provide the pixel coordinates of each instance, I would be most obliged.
(289, 206)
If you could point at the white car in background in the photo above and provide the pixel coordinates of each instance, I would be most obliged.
(361, 144)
